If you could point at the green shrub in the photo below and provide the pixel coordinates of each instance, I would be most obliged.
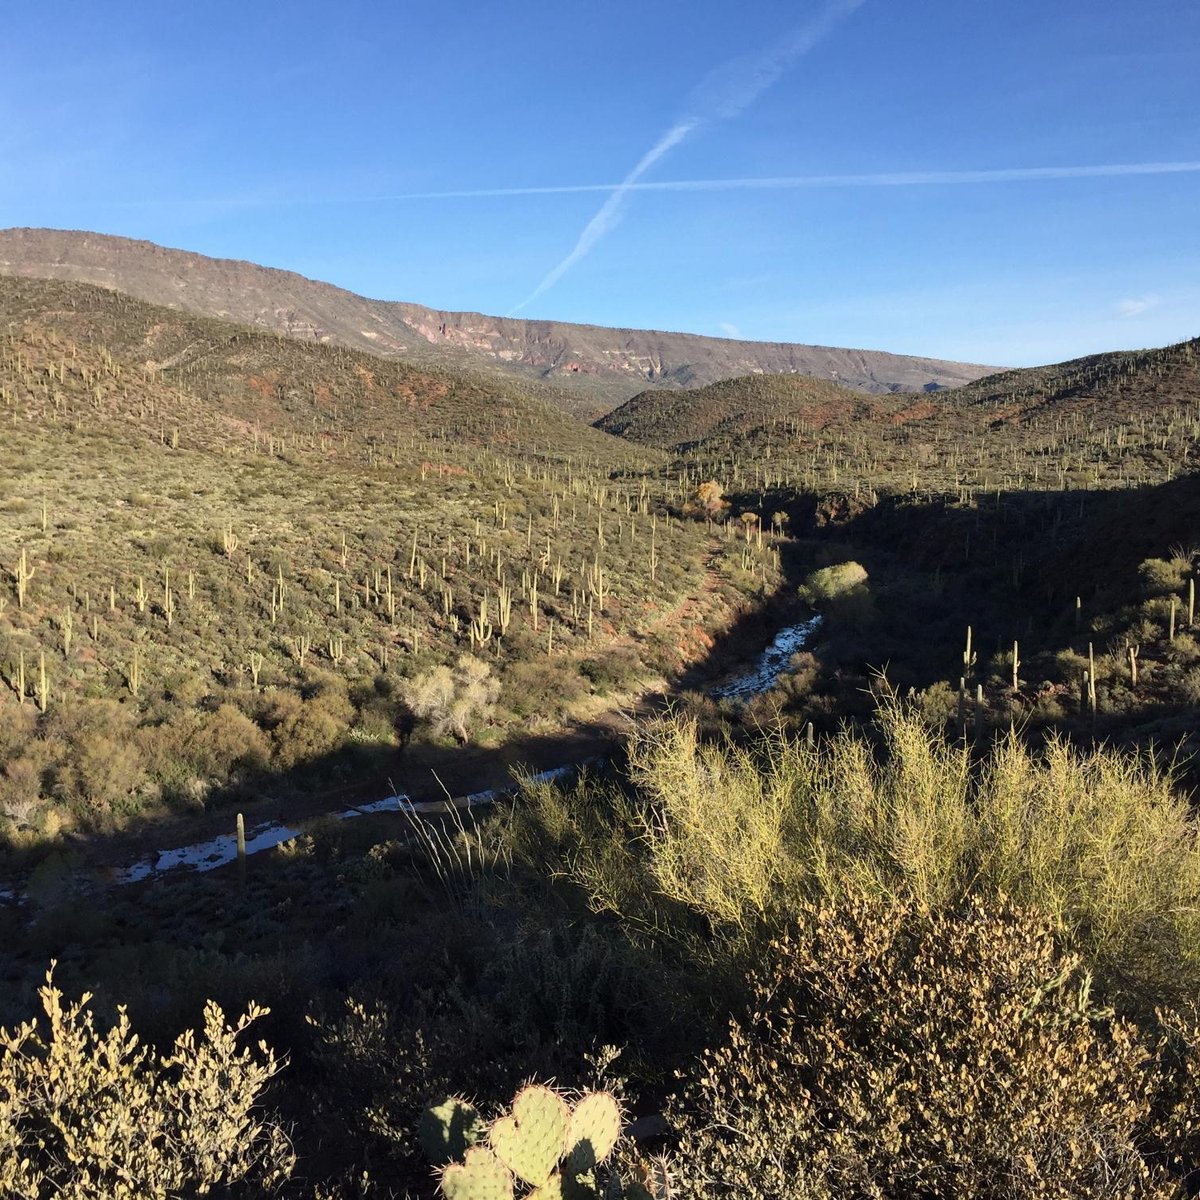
(227, 739)
(303, 730)
(1163, 577)
(378, 1070)
(937, 704)
(616, 669)
(538, 687)
(840, 591)
(101, 765)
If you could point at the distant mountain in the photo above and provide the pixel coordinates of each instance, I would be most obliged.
(588, 369)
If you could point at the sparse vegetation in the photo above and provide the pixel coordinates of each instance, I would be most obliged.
(299, 535)
(920, 920)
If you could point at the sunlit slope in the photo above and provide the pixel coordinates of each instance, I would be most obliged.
(736, 408)
(220, 383)
(210, 532)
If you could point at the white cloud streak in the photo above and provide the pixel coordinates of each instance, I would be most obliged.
(610, 211)
(720, 96)
(1134, 306)
(270, 199)
(797, 182)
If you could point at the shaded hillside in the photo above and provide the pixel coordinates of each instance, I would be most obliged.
(1108, 420)
(589, 369)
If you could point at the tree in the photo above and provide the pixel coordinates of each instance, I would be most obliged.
(452, 699)
(709, 499)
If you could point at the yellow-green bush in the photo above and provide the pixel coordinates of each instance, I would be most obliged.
(840, 590)
(1099, 841)
(86, 1113)
(1162, 576)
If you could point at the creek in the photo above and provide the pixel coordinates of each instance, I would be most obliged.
(222, 850)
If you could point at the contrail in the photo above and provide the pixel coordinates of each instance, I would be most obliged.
(748, 183)
(722, 94)
(609, 212)
(884, 179)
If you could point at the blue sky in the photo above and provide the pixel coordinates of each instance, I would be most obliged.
(321, 137)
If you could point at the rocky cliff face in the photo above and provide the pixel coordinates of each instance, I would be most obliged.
(591, 368)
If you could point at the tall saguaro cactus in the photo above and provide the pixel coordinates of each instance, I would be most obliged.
(22, 575)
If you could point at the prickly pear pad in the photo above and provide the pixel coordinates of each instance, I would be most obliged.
(532, 1140)
(480, 1176)
(595, 1128)
(552, 1189)
(566, 1187)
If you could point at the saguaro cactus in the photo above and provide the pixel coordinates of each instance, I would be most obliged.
(481, 626)
(22, 575)
(42, 694)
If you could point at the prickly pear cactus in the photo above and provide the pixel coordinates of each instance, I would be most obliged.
(549, 1148)
(449, 1129)
(480, 1176)
(593, 1133)
(532, 1139)
(563, 1186)
(555, 1188)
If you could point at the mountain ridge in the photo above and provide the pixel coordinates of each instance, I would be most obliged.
(590, 369)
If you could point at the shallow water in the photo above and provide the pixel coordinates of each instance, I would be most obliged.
(222, 850)
(772, 663)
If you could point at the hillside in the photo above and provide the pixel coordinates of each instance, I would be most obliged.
(245, 573)
(734, 408)
(589, 369)
(236, 563)
(218, 380)
(1107, 420)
